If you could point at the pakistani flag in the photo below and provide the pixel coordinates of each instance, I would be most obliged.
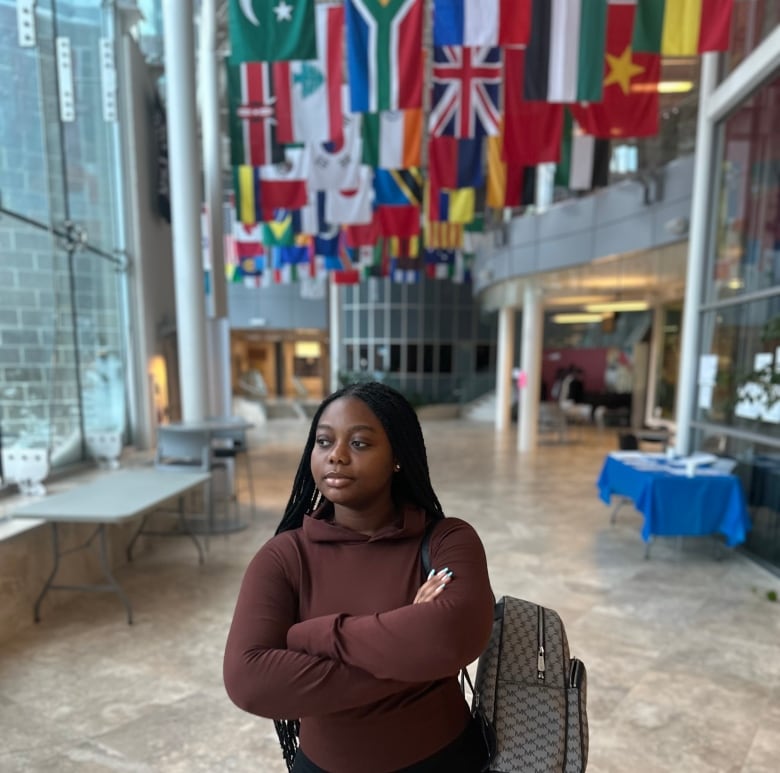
(272, 30)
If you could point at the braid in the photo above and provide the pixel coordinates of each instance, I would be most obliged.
(288, 731)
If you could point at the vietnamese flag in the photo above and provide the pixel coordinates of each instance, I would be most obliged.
(630, 105)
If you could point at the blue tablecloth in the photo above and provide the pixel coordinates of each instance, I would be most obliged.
(674, 504)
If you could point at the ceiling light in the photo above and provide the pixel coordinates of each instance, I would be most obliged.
(618, 306)
(664, 87)
(576, 318)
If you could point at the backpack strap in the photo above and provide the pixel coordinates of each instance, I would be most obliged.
(425, 547)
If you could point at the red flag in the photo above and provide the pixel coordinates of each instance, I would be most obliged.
(532, 130)
(399, 221)
(630, 104)
(362, 235)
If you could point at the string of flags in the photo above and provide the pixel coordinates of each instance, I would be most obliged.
(340, 172)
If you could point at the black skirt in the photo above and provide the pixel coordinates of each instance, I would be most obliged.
(466, 754)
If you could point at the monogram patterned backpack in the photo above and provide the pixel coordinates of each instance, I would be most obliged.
(532, 692)
(528, 691)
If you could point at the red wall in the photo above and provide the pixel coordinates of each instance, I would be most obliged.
(593, 363)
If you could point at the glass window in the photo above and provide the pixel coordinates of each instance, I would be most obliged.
(395, 358)
(482, 363)
(746, 255)
(445, 358)
(668, 364)
(744, 341)
(411, 358)
(428, 358)
(751, 22)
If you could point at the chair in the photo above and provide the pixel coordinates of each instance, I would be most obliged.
(231, 443)
(189, 450)
(628, 441)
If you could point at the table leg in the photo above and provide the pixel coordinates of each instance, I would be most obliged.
(103, 554)
(55, 546)
(185, 525)
(113, 586)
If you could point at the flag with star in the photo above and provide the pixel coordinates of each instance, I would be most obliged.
(630, 105)
(271, 30)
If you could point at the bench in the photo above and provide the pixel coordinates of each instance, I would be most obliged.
(111, 499)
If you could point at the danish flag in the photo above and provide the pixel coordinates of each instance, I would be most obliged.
(466, 85)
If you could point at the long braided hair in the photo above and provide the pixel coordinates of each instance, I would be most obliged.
(411, 485)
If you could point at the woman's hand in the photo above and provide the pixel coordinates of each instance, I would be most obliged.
(433, 586)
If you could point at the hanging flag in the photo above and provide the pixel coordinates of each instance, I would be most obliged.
(363, 235)
(457, 206)
(398, 221)
(340, 267)
(392, 139)
(532, 130)
(481, 22)
(455, 163)
(405, 270)
(336, 165)
(384, 54)
(246, 184)
(354, 205)
(443, 236)
(630, 105)
(283, 185)
(682, 27)
(505, 182)
(404, 247)
(271, 30)
(398, 187)
(252, 120)
(464, 262)
(563, 59)
(308, 93)
(280, 231)
(439, 263)
(465, 91)
(247, 240)
(584, 161)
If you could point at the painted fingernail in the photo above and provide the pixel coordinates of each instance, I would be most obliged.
(430, 574)
(444, 571)
(441, 587)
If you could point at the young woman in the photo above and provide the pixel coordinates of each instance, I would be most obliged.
(335, 625)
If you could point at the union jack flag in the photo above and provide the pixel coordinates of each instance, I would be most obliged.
(466, 85)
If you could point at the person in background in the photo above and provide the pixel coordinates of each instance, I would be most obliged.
(336, 634)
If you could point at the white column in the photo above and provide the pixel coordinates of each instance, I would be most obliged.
(212, 151)
(183, 160)
(220, 386)
(531, 364)
(334, 312)
(506, 355)
(697, 257)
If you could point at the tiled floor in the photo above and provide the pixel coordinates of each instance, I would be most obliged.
(683, 650)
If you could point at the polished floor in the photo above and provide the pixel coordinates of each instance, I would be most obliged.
(682, 650)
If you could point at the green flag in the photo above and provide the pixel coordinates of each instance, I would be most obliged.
(271, 30)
